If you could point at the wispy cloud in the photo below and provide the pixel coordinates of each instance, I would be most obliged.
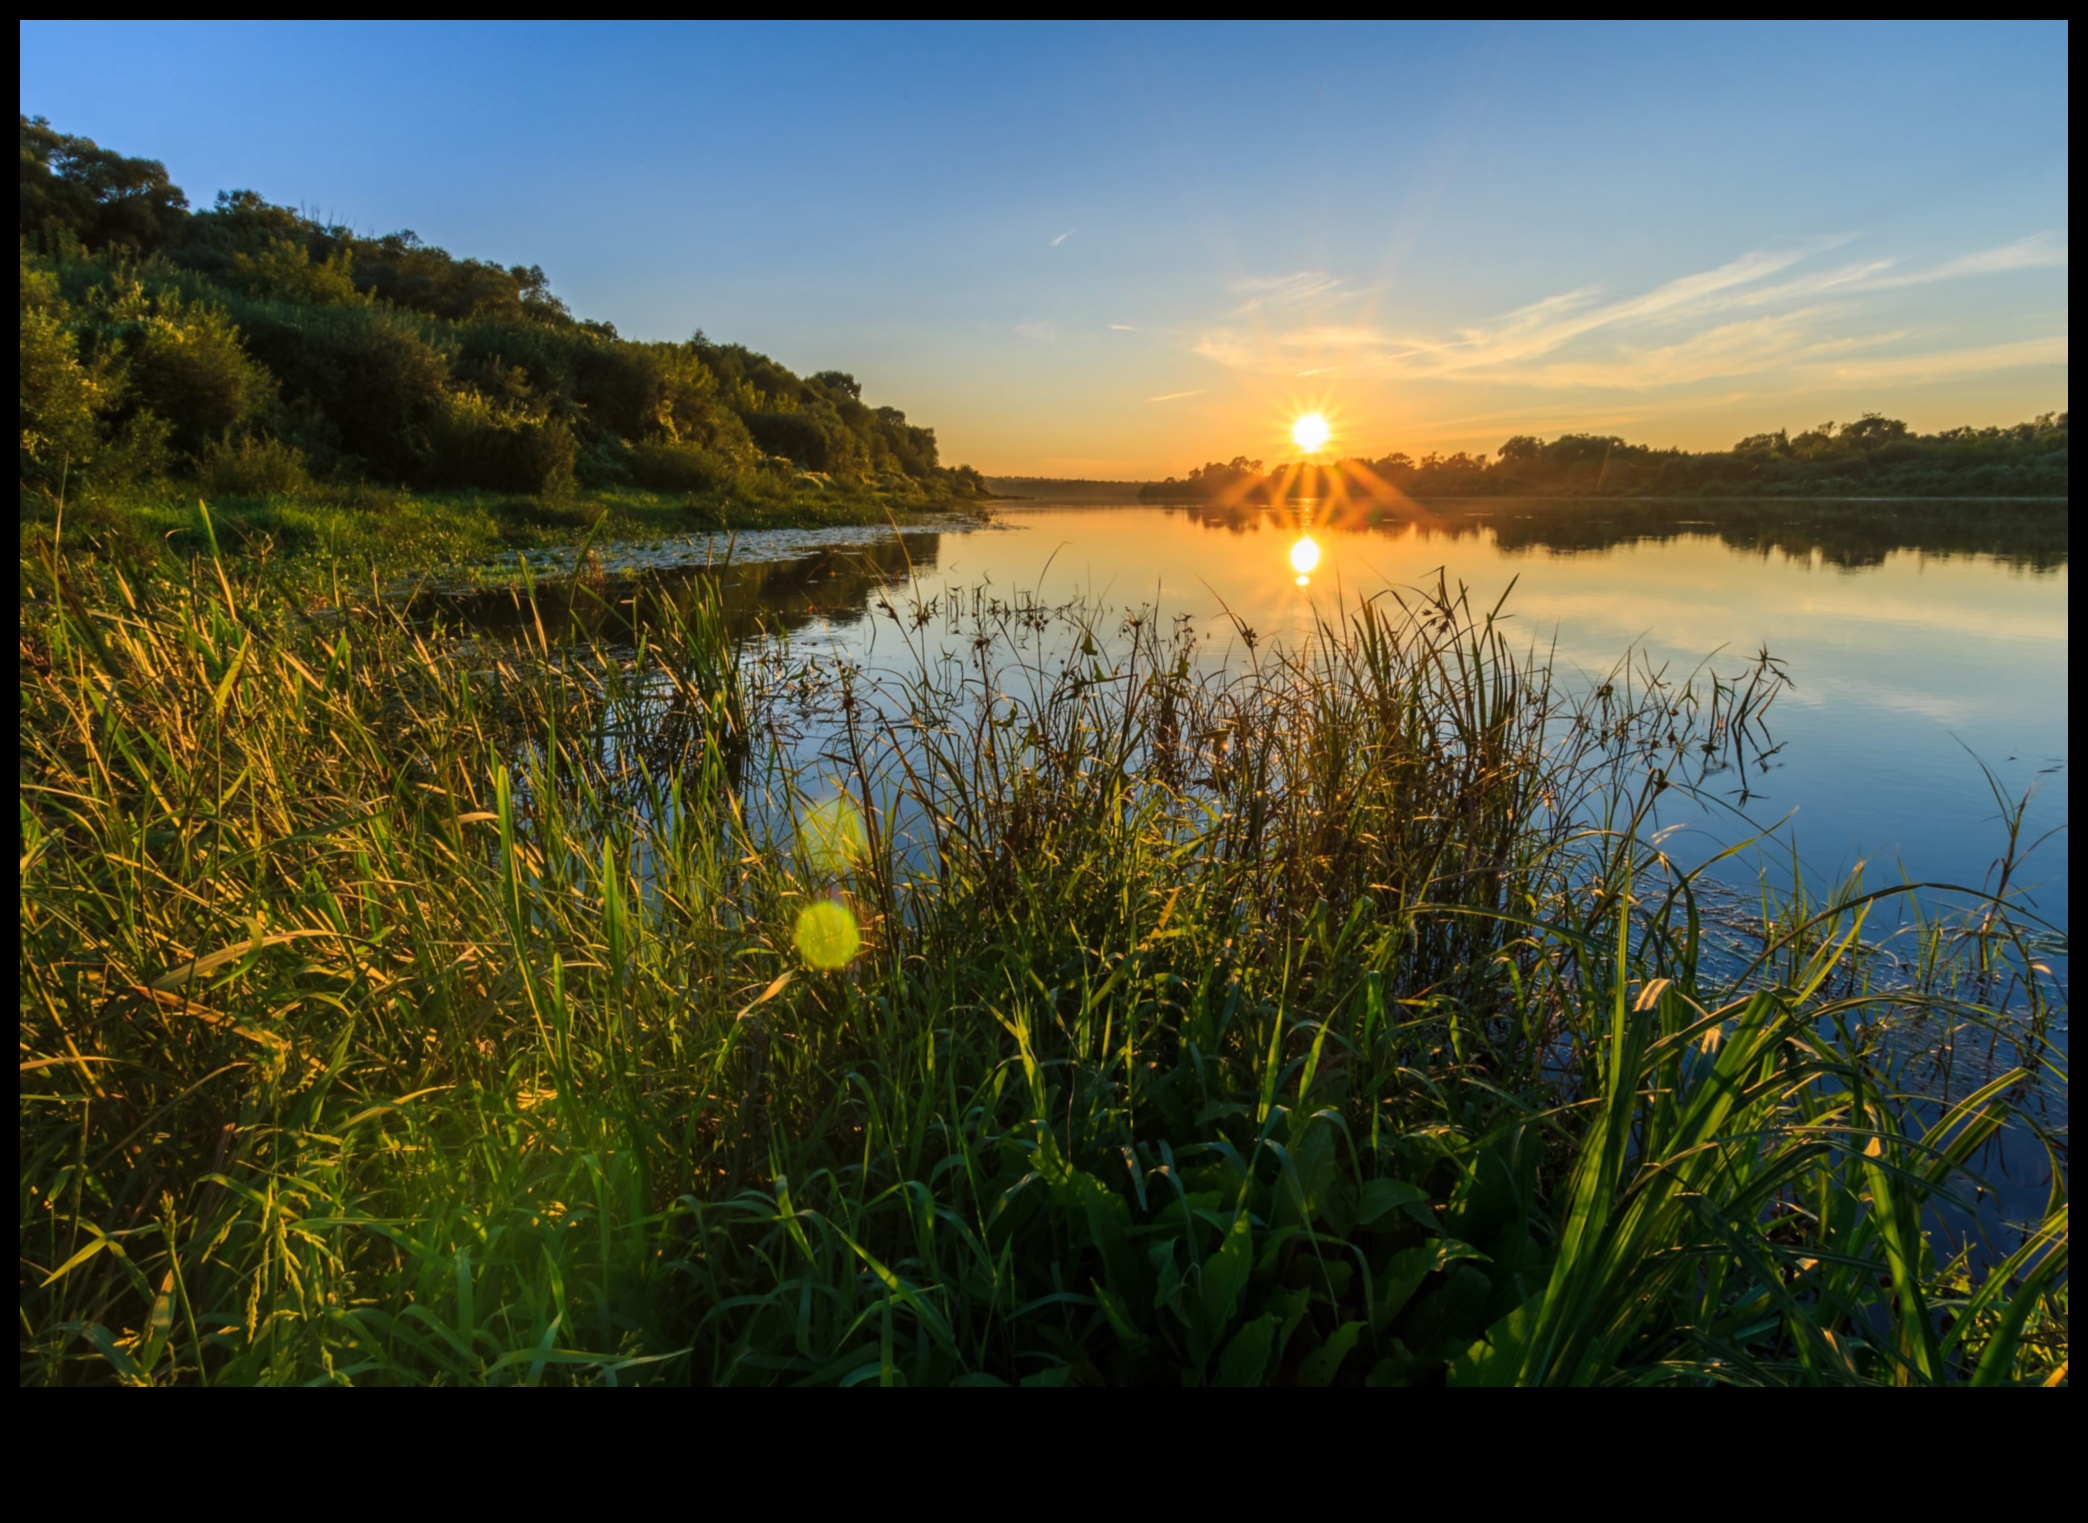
(1062, 237)
(1176, 396)
(1285, 290)
(1912, 369)
(1766, 310)
(1121, 328)
(2043, 251)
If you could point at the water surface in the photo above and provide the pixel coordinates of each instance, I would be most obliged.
(1925, 642)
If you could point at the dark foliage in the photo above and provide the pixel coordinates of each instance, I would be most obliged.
(253, 342)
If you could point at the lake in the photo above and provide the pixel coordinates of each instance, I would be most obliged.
(1925, 642)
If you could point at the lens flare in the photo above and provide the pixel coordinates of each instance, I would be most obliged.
(826, 935)
(832, 835)
(1311, 433)
(1305, 556)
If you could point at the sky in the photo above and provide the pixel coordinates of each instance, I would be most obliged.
(1119, 251)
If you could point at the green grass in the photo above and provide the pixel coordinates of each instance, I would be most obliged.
(403, 532)
(391, 1016)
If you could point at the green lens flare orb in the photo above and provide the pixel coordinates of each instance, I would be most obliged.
(826, 935)
(833, 835)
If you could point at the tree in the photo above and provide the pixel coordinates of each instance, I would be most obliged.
(188, 366)
(73, 185)
(1873, 429)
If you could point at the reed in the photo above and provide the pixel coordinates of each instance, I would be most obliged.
(401, 1010)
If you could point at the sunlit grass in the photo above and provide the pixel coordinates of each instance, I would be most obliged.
(404, 532)
(394, 1014)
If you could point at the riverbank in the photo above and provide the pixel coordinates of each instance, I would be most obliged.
(402, 532)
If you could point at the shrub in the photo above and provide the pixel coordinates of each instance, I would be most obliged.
(61, 400)
(252, 467)
(792, 435)
(604, 461)
(674, 468)
(188, 366)
(368, 370)
(286, 268)
(477, 445)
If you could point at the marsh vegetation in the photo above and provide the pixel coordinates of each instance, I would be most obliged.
(618, 1001)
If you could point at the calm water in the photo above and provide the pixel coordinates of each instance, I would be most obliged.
(1909, 667)
(1922, 640)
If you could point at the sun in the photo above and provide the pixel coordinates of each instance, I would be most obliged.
(1311, 433)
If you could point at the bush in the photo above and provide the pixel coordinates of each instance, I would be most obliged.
(674, 468)
(792, 435)
(605, 461)
(286, 268)
(474, 445)
(252, 467)
(73, 428)
(61, 400)
(188, 365)
(367, 370)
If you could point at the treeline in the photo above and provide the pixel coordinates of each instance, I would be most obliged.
(1061, 489)
(256, 349)
(1873, 457)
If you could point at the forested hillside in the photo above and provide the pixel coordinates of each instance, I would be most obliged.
(253, 350)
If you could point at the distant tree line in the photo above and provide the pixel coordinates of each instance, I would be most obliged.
(255, 348)
(1874, 456)
(1064, 488)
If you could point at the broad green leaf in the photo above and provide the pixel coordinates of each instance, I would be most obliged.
(1321, 1365)
(1120, 1320)
(1497, 1358)
(1382, 1196)
(1246, 1358)
(1225, 1275)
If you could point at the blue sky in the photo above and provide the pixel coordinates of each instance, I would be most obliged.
(1123, 250)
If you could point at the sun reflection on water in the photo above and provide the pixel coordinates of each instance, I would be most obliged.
(1305, 559)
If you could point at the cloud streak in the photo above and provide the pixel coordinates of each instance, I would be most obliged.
(1062, 237)
(1285, 290)
(1176, 396)
(1765, 310)
(1915, 368)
